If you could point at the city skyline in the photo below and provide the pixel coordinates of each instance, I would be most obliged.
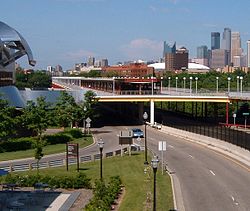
(66, 32)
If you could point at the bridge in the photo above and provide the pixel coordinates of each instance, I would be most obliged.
(145, 90)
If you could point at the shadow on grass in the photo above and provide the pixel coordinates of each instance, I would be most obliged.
(83, 169)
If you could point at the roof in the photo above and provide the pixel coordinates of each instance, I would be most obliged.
(161, 66)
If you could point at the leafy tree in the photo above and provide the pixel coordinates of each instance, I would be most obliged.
(7, 120)
(37, 118)
(66, 109)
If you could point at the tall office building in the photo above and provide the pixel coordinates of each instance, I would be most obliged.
(215, 40)
(236, 50)
(169, 55)
(226, 43)
(181, 59)
(202, 52)
(219, 58)
(91, 61)
(248, 53)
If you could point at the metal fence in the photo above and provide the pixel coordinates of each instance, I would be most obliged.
(58, 162)
(236, 136)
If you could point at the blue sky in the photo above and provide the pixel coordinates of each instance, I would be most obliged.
(68, 31)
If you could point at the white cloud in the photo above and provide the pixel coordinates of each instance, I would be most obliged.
(142, 48)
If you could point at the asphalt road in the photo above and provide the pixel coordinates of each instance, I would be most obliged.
(208, 181)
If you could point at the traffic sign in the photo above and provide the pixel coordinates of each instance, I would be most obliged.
(162, 146)
(245, 114)
(88, 120)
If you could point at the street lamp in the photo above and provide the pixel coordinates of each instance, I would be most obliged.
(217, 84)
(145, 117)
(152, 79)
(184, 84)
(238, 77)
(169, 79)
(176, 83)
(100, 144)
(154, 164)
(196, 83)
(114, 85)
(241, 80)
(190, 90)
(228, 84)
(84, 123)
(161, 83)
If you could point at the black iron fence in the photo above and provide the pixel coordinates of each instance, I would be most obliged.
(236, 136)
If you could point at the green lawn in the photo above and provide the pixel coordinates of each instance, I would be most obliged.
(138, 185)
(50, 149)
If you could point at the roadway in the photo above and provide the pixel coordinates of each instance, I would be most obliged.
(208, 180)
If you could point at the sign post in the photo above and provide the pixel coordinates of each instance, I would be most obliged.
(234, 116)
(88, 120)
(125, 137)
(72, 150)
(162, 147)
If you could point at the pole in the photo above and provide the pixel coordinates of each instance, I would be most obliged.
(67, 155)
(162, 159)
(101, 163)
(78, 157)
(154, 203)
(146, 150)
(227, 108)
(245, 122)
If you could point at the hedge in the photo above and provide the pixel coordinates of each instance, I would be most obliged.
(58, 138)
(17, 144)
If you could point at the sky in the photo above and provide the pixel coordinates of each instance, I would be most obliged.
(66, 32)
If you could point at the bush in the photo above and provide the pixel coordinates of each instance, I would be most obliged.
(58, 138)
(76, 182)
(75, 133)
(104, 195)
(17, 144)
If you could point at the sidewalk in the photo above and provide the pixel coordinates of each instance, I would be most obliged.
(217, 145)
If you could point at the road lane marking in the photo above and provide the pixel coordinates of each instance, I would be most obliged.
(170, 146)
(212, 172)
(191, 156)
(234, 201)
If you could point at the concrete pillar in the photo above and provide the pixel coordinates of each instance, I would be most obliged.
(152, 112)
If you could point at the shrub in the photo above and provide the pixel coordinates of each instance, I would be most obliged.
(78, 181)
(58, 138)
(17, 144)
(75, 133)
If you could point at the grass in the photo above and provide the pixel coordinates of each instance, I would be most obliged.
(138, 185)
(47, 150)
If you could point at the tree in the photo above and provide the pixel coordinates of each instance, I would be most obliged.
(66, 110)
(7, 120)
(37, 118)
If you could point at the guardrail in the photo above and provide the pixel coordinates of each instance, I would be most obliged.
(59, 162)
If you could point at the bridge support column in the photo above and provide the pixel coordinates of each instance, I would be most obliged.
(152, 112)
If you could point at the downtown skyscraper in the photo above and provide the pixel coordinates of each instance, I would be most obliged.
(226, 43)
(215, 40)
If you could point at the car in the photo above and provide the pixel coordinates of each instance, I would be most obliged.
(137, 132)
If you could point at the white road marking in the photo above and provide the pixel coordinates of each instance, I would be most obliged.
(212, 172)
(235, 202)
(191, 156)
(170, 146)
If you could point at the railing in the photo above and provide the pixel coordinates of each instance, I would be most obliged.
(58, 162)
(229, 134)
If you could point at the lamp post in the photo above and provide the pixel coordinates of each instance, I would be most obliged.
(84, 123)
(196, 83)
(217, 84)
(145, 117)
(176, 83)
(154, 164)
(152, 80)
(237, 83)
(184, 84)
(228, 84)
(190, 89)
(114, 85)
(161, 83)
(169, 79)
(241, 80)
(100, 144)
